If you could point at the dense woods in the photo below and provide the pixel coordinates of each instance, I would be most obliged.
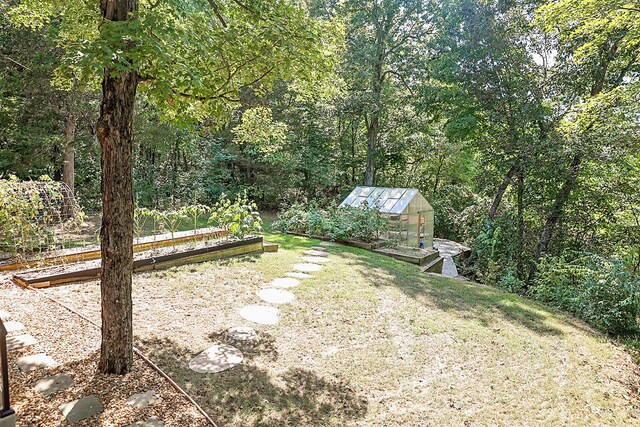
(518, 120)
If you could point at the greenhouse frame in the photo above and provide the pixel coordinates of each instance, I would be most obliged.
(410, 214)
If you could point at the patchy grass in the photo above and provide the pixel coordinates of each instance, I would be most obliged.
(371, 341)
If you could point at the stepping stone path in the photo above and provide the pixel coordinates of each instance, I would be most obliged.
(319, 248)
(13, 326)
(261, 314)
(151, 422)
(285, 282)
(19, 341)
(315, 252)
(81, 409)
(307, 267)
(51, 385)
(242, 333)
(275, 296)
(36, 361)
(298, 275)
(319, 259)
(4, 315)
(217, 358)
(144, 400)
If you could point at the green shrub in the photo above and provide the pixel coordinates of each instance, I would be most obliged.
(365, 223)
(598, 290)
(240, 217)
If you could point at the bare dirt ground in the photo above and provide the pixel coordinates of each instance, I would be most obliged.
(75, 344)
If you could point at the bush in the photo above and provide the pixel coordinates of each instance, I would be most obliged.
(364, 223)
(240, 217)
(598, 290)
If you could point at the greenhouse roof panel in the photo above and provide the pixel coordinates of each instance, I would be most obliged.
(388, 200)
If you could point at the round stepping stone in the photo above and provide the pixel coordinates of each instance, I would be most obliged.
(261, 314)
(285, 282)
(318, 248)
(275, 296)
(13, 326)
(19, 341)
(329, 244)
(314, 252)
(319, 259)
(307, 268)
(151, 422)
(51, 385)
(81, 409)
(242, 333)
(144, 400)
(298, 275)
(4, 315)
(36, 361)
(217, 358)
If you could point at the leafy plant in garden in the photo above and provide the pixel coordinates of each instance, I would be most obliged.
(29, 213)
(240, 218)
(194, 212)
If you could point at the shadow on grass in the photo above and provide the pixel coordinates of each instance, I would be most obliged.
(247, 395)
(468, 300)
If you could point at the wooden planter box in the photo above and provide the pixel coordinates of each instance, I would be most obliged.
(93, 252)
(40, 279)
(419, 258)
(355, 243)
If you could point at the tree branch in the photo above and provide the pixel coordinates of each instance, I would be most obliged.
(214, 7)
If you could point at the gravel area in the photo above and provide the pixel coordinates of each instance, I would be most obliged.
(74, 344)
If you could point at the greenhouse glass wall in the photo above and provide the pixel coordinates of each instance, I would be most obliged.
(410, 215)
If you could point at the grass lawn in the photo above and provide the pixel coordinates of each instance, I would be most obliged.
(371, 341)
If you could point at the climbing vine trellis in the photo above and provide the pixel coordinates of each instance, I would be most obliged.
(30, 213)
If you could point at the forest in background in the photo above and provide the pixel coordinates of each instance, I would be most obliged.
(518, 121)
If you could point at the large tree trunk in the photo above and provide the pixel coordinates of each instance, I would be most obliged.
(497, 199)
(68, 164)
(372, 146)
(554, 214)
(115, 133)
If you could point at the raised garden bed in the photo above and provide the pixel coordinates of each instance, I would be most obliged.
(87, 253)
(416, 256)
(355, 243)
(143, 261)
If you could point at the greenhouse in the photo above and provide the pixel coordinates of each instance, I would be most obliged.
(410, 214)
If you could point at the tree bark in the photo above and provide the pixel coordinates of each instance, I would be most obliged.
(372, 146)
(115, 134)
(68, 165)
(554, 214)
(500, 192)
(520, 264)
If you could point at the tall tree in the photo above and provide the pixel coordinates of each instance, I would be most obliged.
(193, 59)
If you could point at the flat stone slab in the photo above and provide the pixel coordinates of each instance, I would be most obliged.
(307, 267)
(217, 358)
(318, 248)
(51, 385)
(275, 296)
(261, 314)
(13, 326)
(315, 252)
(323, 243)
(285, 282)
(36, 361)
(144, 400)
(4, 315)
(81, 409)
(242, 333)
(298, 275)
(151, 422)
(15, 342)
(314, 259)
